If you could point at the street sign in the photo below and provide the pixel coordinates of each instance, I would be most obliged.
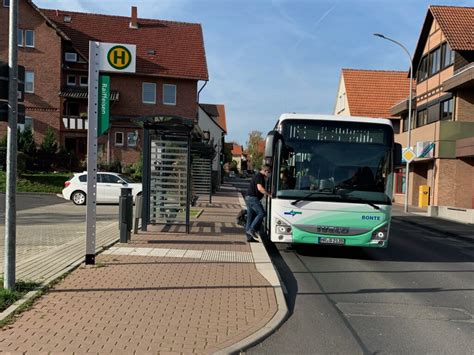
(408, 155)
(117, 57)
(104, 104)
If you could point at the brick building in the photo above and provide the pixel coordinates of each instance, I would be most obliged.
(53, 47)
(442, 132)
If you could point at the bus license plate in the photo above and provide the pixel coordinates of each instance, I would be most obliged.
(332, 241)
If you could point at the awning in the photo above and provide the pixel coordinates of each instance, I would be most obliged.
(81, 93)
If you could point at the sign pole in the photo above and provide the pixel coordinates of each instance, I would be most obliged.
(10, 198)
(92, 114)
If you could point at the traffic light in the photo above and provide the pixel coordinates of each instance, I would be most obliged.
(4, 75)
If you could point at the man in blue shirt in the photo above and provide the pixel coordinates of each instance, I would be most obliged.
(255, 211)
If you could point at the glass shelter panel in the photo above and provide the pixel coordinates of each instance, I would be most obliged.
(169, 180)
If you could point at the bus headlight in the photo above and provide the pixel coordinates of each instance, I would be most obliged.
(281, 227)
(380, 233)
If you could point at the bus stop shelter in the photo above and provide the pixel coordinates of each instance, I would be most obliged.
(166, 170)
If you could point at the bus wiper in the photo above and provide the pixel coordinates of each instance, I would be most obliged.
(354, 198)
(295, 202)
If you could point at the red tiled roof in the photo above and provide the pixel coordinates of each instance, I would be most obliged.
(217, 113)
(371, 93)
(178, 46)
(221, 119)
(236, 149)
(457, 24)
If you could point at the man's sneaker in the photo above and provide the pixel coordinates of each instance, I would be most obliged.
(254, 235)
(252, 240)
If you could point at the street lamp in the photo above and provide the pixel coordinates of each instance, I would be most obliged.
(409, 113)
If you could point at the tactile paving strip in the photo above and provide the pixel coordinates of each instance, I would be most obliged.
(205, 255)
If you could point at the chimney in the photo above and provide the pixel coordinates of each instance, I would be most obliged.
(134, 19)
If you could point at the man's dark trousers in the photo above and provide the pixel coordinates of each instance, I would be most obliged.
(255, 214)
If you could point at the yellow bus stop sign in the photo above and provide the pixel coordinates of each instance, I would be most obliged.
(408, 155)
(119, 57)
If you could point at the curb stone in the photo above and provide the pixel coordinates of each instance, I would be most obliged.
(266, 268)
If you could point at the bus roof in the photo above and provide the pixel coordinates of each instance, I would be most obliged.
(305, 116)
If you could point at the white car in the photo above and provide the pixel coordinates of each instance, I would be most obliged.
(108, 187)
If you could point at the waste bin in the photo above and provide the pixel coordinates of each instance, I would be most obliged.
(125, 214)
(423, 196)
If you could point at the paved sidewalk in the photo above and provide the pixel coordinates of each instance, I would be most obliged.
(165, 292)
(439, 225)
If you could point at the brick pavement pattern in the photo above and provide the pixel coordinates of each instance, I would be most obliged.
(154, 304)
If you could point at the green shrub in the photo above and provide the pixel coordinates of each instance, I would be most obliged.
(115, 166)
(49, 144)
(134, 170)
(21, 162)
(3, 158)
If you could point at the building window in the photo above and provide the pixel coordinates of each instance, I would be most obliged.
(83, 80)
(435, 61)
(169, 94)
(6, 3)
(433, 113)
(19, 37)
(72, 108)
(132, 139)
(447, 55)
(149, 93)
(71, 80)
(119, 138)
(70, 57)
(29, 81)
(447, 110)
(421, 117)
(400, 181)
(422, 70)
(28, 125)
(29, 38)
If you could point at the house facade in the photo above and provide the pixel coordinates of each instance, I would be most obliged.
(212, 120)
(53, 47)
(238, 156)
(442, 128)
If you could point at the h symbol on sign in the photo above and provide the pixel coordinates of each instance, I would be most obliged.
(120, 56)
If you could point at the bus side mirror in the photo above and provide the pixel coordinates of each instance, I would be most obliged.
(270, 143)
(397, 154)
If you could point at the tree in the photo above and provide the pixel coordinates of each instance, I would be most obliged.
(47, 151)
(227, 152)
(26, 143)
(49, 145)
(255, 144)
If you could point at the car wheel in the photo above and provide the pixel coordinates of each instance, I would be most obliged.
(78, 198)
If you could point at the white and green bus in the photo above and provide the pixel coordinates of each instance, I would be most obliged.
(332, 180)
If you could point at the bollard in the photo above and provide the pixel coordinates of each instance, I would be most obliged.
(138, 213)
(125, 214)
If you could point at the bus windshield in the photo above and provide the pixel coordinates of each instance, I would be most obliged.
(335, 161)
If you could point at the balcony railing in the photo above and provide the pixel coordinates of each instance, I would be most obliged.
(75, 122)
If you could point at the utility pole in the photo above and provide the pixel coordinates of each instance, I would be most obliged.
(10, 198)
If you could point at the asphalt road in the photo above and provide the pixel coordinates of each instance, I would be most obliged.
(415, 297)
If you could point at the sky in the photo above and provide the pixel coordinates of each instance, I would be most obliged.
(268, 57)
